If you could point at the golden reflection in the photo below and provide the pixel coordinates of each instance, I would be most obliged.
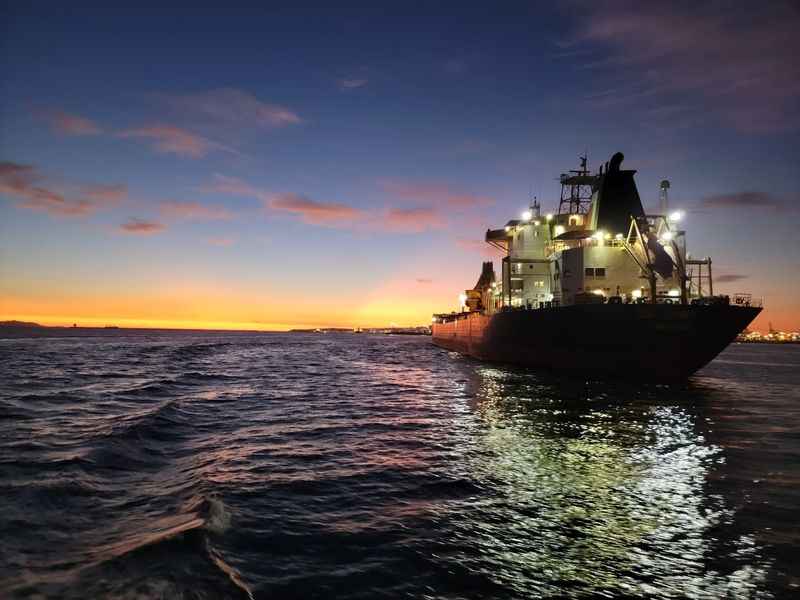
(601, 493)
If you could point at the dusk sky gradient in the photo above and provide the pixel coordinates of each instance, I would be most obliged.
(338, 164)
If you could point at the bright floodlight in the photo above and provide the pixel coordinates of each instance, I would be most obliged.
(599, 235)
(526, 216)
(636, 293)
(675, 216)
(674, 292)
(549, 217)
(666, 236)
(619, 236)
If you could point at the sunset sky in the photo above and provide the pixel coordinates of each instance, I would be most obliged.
(338, 164)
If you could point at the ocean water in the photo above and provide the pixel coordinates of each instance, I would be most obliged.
(220, 465)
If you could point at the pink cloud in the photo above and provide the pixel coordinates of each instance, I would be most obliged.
(232, 105)
(435, 193)
(30, 188)
(73, 124)
(174, 140)
(193, 211)
(335, 214)
(352, 84)
(412, 220)
(739, 200)
(141, 227)
(235, 187)
(105, 194)
(313, 211)
(739, 64)
(478, 247)
(221, 241)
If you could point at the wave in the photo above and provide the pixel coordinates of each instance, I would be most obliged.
(177, 552)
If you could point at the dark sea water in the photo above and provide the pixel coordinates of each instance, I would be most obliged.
(218, 465)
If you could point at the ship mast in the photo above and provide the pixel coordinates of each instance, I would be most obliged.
(576, 190)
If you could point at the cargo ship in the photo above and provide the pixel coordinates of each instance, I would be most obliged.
(600, 289)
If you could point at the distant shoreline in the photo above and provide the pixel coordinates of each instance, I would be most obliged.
(23, 329)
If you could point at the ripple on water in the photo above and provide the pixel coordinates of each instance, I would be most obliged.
(306, 466)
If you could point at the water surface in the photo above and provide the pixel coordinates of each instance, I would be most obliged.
(221, 465)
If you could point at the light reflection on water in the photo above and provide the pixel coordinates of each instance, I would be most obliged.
(223, 466)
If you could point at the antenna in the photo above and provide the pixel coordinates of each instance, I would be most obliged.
(663, 199)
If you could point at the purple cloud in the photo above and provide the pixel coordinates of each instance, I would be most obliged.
(234, 106)
(141, 227)
(193, 211)
(32, 191)
(743, 200)
(738, 63)
(73, 124)
(174, 140)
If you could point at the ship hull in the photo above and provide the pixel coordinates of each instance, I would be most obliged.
(632, 341)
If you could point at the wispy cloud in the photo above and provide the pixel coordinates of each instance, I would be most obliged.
(235, 187)
(193, 211)
(31, 190)
(71, 124)
(405, 219)
(455, 66)
(107, 195)
(739, 64)
(174, 140)
(313, 211)
(222, 241)
(234, 106)
(743, 200)
(412, 220)
(141, 227)
(729, 278)
(478, 247)
(352, 84)
(435, 193)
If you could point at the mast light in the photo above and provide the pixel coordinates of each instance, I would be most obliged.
(675, 216)
(527, 215)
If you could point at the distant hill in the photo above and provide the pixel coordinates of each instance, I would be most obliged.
(19, 324)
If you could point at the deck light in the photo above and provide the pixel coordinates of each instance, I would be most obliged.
(526, 216)
(674, 292)
(666, 236)
(537, 223)
(636, 293)
(599, 292)
(549, 216)
(675, 216)
(599, 235)
(559, 230)
(508, 228)
(619, 236)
